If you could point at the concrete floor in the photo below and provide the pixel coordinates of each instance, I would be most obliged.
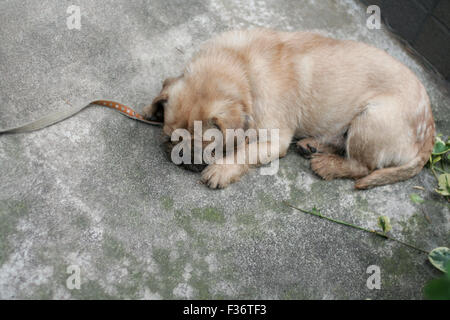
(96, 191)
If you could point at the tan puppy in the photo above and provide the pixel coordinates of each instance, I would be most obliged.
(359, 113)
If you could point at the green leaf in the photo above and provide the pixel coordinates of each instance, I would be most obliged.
(440, 257)
(444, 184)
(384, 223)
(438, 289)
(440, 147)
(437, 159)
(416, 198)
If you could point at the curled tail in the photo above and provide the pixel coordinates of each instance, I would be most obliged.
(395, 174)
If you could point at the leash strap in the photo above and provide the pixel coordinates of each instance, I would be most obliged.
(58, 116)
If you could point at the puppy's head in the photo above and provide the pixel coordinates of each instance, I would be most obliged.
(215, 100)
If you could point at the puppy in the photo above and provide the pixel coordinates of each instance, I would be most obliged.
(358, 112)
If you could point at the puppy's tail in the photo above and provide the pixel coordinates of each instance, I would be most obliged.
(395, 174)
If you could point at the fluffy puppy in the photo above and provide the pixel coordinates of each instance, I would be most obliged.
(358, 112)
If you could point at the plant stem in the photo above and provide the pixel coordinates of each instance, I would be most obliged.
(355, 227)
(440, 170)
(432, 168)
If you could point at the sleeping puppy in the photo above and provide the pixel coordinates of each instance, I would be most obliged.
(358, 112)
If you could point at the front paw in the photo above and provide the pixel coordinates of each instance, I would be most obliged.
(219, 176)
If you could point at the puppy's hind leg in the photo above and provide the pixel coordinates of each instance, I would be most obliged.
(333, 166)
(393, 146)
(308, 146)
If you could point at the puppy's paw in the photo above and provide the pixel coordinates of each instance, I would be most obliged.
(219, 176)
(307, 147)
(323, 165)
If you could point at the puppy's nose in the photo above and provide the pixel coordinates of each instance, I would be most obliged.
(169, 145)
(194, 167)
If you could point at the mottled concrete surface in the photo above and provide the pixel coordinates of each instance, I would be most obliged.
(97, 191)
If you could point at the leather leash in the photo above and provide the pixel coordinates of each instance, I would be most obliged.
(58, 116)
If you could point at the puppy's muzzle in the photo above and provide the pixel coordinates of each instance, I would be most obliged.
(168, 147)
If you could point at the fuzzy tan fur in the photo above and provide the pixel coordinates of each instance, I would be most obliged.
(358, 111)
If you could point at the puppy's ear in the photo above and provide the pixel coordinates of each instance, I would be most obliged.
(233, 118)
(155, 111)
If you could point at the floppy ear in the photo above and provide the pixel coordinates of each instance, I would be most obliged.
(155, 111)
(233, 118)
